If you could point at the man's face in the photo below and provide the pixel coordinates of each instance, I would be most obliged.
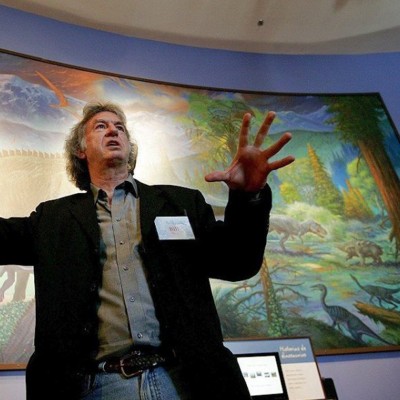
(106, 141)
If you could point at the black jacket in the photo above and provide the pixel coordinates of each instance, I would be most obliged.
(61, 240)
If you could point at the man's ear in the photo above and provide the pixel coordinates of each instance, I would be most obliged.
(81, 154)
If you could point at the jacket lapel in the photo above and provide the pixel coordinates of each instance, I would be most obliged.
(83, 209)
(151, 202)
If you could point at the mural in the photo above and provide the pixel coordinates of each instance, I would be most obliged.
(331, 269)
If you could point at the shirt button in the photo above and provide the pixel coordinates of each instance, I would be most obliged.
(131, 299)
(121, 242)
(86, 329)
(125, 268)
(93, 287)
(139, 335)
(118, 219)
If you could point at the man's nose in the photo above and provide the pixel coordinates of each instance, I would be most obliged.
(112, 130)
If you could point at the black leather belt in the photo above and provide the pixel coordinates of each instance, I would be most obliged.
(135, 362)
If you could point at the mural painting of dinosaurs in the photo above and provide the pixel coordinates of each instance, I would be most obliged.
(333, 196)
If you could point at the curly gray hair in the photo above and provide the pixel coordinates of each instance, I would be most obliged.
(75, 142)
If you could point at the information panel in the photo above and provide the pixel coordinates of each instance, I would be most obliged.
(299, 366)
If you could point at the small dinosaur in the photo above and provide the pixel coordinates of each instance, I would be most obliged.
(342, 316)
(381, 293)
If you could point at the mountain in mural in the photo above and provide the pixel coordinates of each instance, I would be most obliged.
(34, 104)
(315, 121)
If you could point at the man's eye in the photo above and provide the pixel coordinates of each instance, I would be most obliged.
(121, 128)
(100, 126)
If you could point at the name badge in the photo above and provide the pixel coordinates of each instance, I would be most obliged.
(174, 228)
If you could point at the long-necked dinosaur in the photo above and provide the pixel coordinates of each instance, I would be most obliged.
(340, 316)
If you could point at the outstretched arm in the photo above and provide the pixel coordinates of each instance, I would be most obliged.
(251, 166)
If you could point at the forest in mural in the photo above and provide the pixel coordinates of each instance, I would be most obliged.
(331, 269)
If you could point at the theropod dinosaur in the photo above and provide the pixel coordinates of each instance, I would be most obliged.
(289, 227)
(341, 316)
(381, 293)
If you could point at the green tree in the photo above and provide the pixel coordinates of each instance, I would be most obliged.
(360, 177)
(289, 192)
(327, 195)
(357, 119)
(355, 205)
(217, 123)
(298, 182)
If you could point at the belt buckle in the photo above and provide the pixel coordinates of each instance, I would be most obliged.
(123, 367)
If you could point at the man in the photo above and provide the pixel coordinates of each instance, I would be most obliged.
(124, 308)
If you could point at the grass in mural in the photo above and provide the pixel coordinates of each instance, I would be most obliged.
(10, 314)
(13, 338)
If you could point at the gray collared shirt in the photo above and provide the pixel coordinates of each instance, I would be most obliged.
(126, 312)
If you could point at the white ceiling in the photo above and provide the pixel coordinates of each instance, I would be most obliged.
(260, 26)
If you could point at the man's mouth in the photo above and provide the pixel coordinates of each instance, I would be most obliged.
(113, 143)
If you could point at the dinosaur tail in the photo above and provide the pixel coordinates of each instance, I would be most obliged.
(356, 281)
(380, 338)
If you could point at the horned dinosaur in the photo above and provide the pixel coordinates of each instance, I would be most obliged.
(363, 249)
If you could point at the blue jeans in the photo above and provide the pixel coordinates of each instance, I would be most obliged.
(153, 384)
